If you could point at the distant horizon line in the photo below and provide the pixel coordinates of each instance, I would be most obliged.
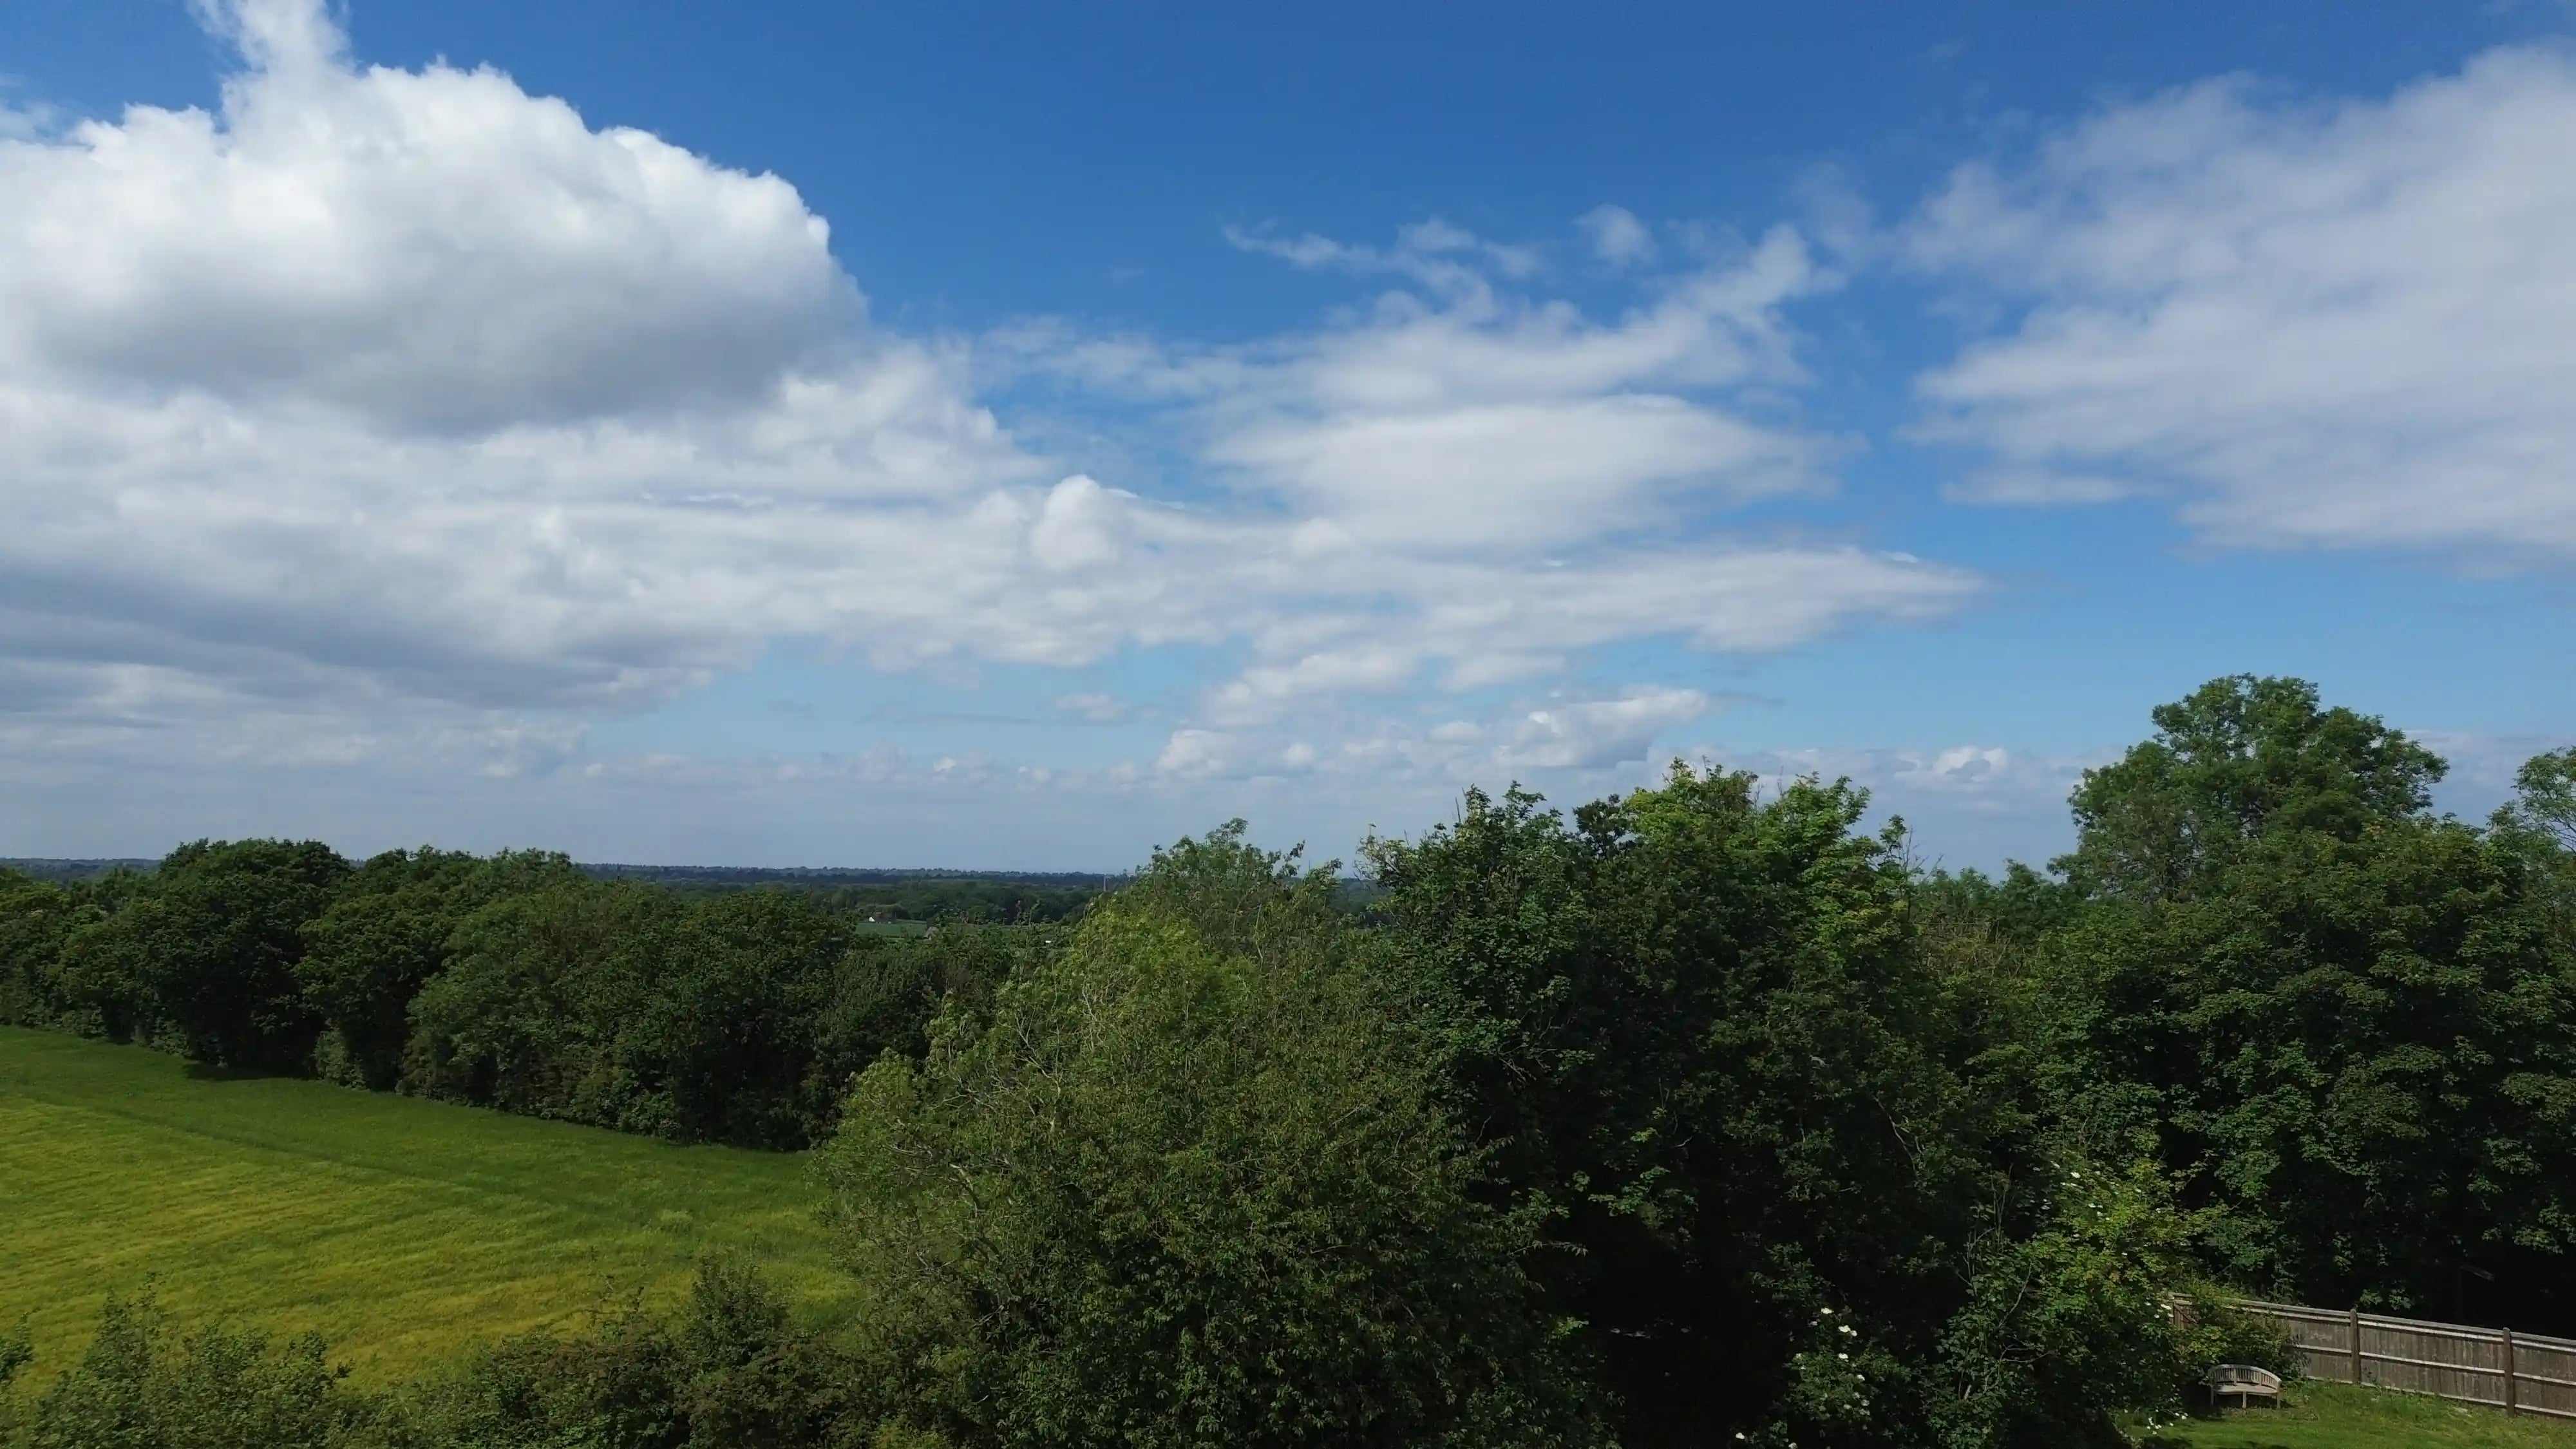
(103, 864)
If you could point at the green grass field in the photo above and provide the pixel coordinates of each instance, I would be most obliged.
(402, 1229)
(2336, 1416)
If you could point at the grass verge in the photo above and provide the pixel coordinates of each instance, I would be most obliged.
(2339, 1416)
(404, 1230)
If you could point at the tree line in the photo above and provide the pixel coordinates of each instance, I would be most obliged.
(516, 981)
(1696, 1115)
(895, 895)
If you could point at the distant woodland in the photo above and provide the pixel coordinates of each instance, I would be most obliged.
(886, 895)
(1699, 1115)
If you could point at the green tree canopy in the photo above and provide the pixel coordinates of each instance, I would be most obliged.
(1696, 1031)
(2352, 1021)
(387, 932)
(2545, 797)
(205, 953)
(1169, 1193)
(35, 919)
(2239, 759)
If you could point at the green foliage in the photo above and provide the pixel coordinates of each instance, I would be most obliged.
(922, 896)
(522, 1017)
(749, 1377)
(2210, 1330)
(2072, 1320)
(887, 991)
(2240, 761)
(2545, 797)
(204, 955)
(2005, 917)
(1190, 1184)
(386, 934)
(2353, 1022)
(1696, 1032)
(728, 1369)
(35, 919)
(731, 1369)
(1700, 1112)
(613, 1386)
(738, 1017)
(1240, 900)
(725, 1048)
(516, 981)
(141, 1385)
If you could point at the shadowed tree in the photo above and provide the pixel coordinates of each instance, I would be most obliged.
(204, 957)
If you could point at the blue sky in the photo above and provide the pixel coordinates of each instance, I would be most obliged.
(1011, 436)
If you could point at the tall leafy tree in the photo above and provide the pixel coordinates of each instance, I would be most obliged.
(525, 1015)
(723, 1043)
(204, 957)
(1694, 1028)
(2352, 1020)
(1188, 1183)
(35, 919)
(733, 1018)
(2240, 760)
(2545, 798)
(386, 933)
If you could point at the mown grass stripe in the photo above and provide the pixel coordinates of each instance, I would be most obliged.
(404, 1230)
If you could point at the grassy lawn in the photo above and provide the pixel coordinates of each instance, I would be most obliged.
(2336, 1416)
(402, 1229)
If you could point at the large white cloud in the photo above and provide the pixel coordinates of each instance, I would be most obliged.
(403, 414)
(429, 250)
(2326, 324)
(377, 385)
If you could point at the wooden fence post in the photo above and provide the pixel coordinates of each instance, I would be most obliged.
(2508, 1370)
(2354, 1318)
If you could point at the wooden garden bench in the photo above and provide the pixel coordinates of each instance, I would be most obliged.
(2246, 1382)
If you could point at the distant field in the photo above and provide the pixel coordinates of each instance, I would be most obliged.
(2338, 1416)
(402, 1229)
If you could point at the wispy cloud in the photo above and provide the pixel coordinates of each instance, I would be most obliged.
(1596, 733)
(1617, 236)
(2032, 488)
(1485, 480)
(2326, 324)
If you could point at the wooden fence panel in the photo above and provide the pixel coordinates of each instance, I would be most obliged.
(2430, 1358)
(2320, 1338)
(2544, 1375)
(2525, 1373)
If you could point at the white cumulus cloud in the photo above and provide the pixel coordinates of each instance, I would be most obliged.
(376, 385)
(431, 250)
